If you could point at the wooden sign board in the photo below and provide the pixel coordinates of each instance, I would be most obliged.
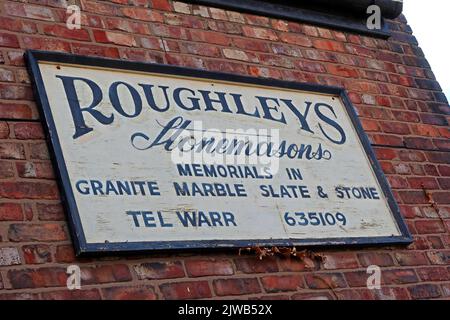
(160, 157)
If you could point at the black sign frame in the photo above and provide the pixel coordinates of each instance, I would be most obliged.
(67, 196)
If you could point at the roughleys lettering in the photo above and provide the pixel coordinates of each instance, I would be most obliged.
(149, 96)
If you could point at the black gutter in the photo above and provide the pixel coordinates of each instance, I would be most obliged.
(345, 15)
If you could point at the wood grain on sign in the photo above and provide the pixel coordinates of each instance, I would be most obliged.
(123, 141)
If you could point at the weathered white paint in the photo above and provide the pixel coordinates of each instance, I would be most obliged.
(106, 153)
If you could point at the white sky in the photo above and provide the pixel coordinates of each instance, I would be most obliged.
(430, 22)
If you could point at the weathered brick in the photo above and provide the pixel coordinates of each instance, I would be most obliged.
(63, 32)
(160, 270)
(130, 293)
(282, 283)
(411, 258)
(8, 40)
(29, 190)
(29, 11)
(83, 294)
(37, 254)
(424, 291)
(325, 280)
(375, 258)
(230, 287)
(208, 267)
(399, 276)
(433, 273)
(105, 274)
(11, 212)
(340, 261)
(254, 265)
(37, 278)
(9, 256)
(186, 290)
(115, 38)
(260, 33)
(36, 232)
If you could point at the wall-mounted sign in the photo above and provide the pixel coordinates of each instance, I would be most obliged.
(160, 157)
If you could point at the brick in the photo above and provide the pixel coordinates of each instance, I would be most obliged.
(186, 290)
(343, 71)
(161, 5)
(65, 254)
(15, 92)
(357, 278)
(19, 296)
(208, 267)
(370, 125)
(328, 45)
(355, 294)
(254, 265)
(29, 190)
(28, 131)
(433, 274)
(424, 291)
(105, 274)
(64, 32)
(130, 293)
(260, 33)
(49, 44)
(412, 258)
(142, 14)
(429, 226)
(340, 261)
(439, 257)
(37, 278)
(413, 197)
(312, 296)
(37, 254)
(391, 293)
(29, 11)
(444, 183)
(433, 119)
(11, 212)
(441, 197)
(399, 276)
(6, 75)
(8, 40)
(375, 258)
(12, 24)
(15, 111)
(282, 283)
(209, 37)
(325, 280)
(36, 232)
(115, 38)
(50, 212)
(40, 170)
(296, 39)
(419, 143)
(84, 294)
(94, 50)
(6, 171)
(395, 127)
(297, 265)
(423, 182)
(181, 7)
(160, 270)
(236, 55)
(9, 256)
(231, 287)
(99, 7)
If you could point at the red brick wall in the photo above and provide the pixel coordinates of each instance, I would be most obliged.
(390, 82)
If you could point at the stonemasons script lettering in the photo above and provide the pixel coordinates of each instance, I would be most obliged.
(148, 97)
